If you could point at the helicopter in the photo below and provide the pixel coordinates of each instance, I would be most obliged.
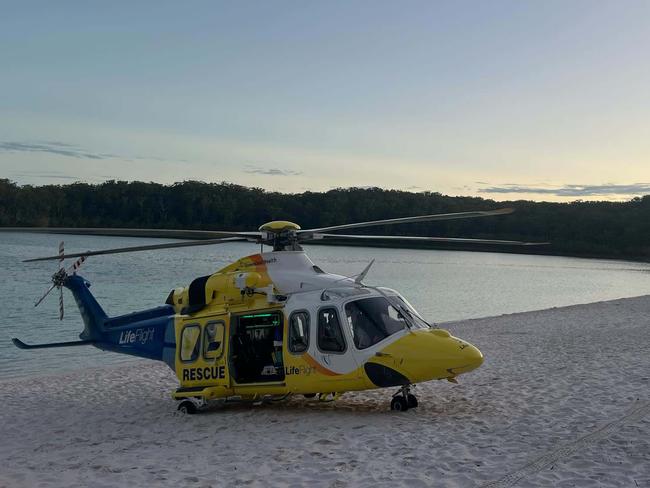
(274, 324)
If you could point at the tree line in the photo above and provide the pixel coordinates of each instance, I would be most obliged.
(579, 228)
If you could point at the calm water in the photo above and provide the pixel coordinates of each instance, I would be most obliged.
(443, 285)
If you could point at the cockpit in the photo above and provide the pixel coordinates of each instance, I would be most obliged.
(371, 320)
(373, 314)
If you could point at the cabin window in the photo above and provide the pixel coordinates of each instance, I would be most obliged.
(190, 343)
(299, 332)
(371, 320)
(213, 340)
(330, 336)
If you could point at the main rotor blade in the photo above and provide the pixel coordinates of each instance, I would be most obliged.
(406, 220)
(206, 242)
(459, 240)
(162, 233)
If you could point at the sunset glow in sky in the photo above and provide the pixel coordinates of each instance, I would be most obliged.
(545, 100)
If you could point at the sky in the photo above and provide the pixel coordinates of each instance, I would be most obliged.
(544, 100)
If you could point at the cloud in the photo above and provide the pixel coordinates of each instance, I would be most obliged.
(573, 190)
(37, 174)
(59, 175)
(53, 147)
(58, 143)
(60, 148)
(271, 171)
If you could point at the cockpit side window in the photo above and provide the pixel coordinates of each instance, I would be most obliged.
(330, 335)
(371, 320)
(299, 332)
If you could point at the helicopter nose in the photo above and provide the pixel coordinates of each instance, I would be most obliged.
(470, 359)
(473, 355)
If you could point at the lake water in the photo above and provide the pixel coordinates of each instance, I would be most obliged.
(442, 285)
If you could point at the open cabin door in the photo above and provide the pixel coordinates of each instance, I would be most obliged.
(256, 347)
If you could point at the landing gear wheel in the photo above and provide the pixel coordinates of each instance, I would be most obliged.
(399, 404)
(309, 395)
(188, 407)
(411, 400)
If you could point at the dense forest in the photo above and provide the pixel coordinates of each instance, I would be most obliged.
(590, 229)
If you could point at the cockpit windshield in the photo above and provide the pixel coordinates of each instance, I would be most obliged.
(373, 319)
(417, 321)
(414, 319)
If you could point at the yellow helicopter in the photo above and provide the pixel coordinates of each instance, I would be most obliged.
(274, 324)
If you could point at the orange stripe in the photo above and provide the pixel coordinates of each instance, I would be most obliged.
(321, 369)
(258, 262)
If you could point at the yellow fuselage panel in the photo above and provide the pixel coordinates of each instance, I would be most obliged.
(202, 371)
(424, 355)
(224, 287)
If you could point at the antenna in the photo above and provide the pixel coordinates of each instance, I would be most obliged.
(363, 274)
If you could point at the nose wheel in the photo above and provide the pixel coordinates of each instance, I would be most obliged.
(403, 399)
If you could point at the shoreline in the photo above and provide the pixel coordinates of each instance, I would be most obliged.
(563, 399)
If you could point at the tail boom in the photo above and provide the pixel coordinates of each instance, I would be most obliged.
(148, 334)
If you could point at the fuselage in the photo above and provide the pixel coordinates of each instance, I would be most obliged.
(327, 334)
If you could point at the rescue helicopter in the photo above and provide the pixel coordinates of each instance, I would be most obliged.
(274, 324)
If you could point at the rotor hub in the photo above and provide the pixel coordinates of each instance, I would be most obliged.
(281, 234)
(277, 226)
(59, 277)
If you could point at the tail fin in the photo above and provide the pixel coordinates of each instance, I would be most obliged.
(91, 311)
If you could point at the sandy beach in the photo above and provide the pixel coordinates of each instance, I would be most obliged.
(563, 399)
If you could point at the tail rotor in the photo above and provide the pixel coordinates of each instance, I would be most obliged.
(61, 258)
(59, 278)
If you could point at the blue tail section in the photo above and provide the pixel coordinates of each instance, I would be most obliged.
(148, 334)
(92, 313)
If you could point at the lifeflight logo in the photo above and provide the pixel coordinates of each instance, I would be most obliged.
(141, 336)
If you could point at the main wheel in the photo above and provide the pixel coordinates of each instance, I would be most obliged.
(399, 404)
(411, 400)
(186, 406)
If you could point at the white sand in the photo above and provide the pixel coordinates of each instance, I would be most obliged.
(563, 399)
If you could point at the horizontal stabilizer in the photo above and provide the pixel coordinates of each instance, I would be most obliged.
(21, 345)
